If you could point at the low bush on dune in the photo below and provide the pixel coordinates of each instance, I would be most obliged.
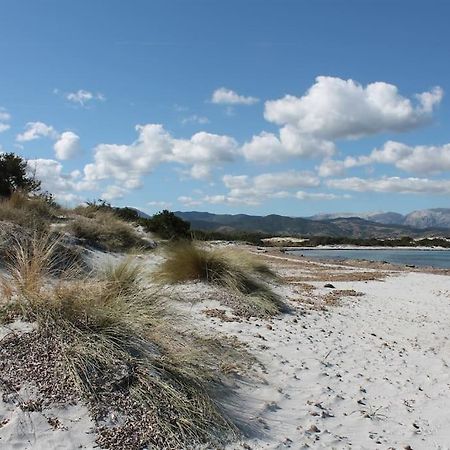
(112, 342)
(31, 212)
(239, 272)
(106, 231)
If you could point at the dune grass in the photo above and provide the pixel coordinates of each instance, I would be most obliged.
(27, 211)
(106, 231)
(238, 272)
(118, 348)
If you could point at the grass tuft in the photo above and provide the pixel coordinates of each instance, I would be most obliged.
(118, 348)
(27, 211)
(239, 272)
(106, 231)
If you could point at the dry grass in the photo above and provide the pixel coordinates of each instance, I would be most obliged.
(30, 212)
(106, 231)
(118, 348)
(239, 272)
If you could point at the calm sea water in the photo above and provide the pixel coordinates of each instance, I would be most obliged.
(433, 258)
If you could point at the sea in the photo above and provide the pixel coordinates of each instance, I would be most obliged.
(413, 257)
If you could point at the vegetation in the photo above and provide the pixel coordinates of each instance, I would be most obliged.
(249, 237)
(404, 241)
(238, 272)
(31, 212)
(112, 342)
(106, 231)
(167, 225)
(14, 176)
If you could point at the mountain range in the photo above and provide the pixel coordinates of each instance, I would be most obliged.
(379, 225)
(425, 218)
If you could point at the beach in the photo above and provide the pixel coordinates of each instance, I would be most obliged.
(362, 363)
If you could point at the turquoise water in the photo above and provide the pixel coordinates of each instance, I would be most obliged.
(433, 258)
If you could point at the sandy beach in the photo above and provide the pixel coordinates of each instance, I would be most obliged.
(363, 364)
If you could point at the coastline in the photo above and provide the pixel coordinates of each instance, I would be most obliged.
(361, 364)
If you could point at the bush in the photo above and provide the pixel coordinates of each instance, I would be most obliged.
(111, 342)
(167, 225)
(238, 272)
(106, 231)
(14, 176)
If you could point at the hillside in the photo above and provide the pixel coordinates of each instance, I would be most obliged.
(282, 225)
(425, 218)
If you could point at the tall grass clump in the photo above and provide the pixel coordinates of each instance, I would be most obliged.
(114, 343)
(31, 212)
(106, 231)
(239, 272)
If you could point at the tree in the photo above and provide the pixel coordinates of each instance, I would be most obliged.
(167, 225)
(14, 176)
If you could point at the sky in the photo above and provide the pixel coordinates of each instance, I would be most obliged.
(235, 106)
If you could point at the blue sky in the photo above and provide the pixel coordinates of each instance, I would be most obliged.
(288, 107)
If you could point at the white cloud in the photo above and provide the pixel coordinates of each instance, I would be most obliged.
(53, 179)
(203, 151)
(334, 108)
(188, 201)
(128, 163)
(83, 97)
(302, 195)
(224, 96)
(194, 118)
(36, 130)
(4, 117)
(4, 127)
(419, 159)
(244, 189)
(113, 192)
(160, 204)
(392, 185)
(268, 148)
(67, 146)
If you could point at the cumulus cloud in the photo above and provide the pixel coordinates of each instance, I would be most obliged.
(243, 189)
(64, 186)
(334, 108)
(113, 192)
(67, 146)
(392, 185)
(128, 163)
(83, 97)
(224, 96)
(36, 130)
(4, 118)
(421, 159)
(188, 201)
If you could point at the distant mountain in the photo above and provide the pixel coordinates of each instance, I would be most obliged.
(426, 218)
(281, 225)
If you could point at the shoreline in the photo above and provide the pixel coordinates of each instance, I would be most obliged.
(363, 247)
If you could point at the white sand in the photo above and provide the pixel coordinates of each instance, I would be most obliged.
(373, 373)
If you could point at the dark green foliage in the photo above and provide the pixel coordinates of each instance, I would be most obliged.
(14, 177)
(167, 225)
